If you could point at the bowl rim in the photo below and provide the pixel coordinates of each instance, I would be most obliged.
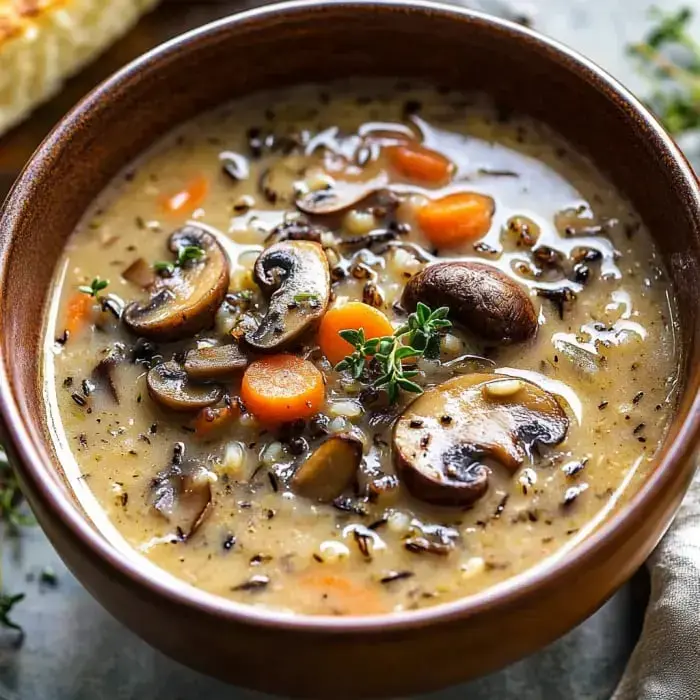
(35, 461)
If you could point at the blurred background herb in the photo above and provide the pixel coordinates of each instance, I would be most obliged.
(14, 516)
(670, 56)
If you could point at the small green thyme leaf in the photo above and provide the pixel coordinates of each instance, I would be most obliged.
(186, 254)
(189, 253)
(96, 286)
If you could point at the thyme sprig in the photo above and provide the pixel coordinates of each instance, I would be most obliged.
(671, 57)
(418, 337)
(187, 253)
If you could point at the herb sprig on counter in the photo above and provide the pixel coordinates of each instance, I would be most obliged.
(418, 337)
(188, 253)
(14, 518)
(671, 56)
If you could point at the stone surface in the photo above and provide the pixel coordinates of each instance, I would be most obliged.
(74, 651)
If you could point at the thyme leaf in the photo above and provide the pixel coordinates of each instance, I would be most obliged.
(186, 254)
(419, 337)
(96, 286)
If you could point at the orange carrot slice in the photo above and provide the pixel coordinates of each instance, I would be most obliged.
(353, 315)
(455, 219)
(343, 595)
(420, 164)
(282, 388)
(187, 199)
(78, 312)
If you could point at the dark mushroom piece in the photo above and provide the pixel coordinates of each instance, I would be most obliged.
(182, 495)
(215, 362)
(185, 302)
(140, 273)
(339, 198)
(481, 298)
(294, 276)
(277, 183)
(169, 385)
(443, 438)
(329, 470)
(105, 368)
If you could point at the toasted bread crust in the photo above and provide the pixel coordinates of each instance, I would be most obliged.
(43, 42)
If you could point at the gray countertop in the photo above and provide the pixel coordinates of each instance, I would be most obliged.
(73, 650)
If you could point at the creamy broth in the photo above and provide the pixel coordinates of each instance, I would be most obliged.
(603, 355)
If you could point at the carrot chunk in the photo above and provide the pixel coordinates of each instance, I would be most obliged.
(342, 594)
(78, 312)
(187, 199)
(420, 164)
(282, 388)
(457, 218)
(353, 315)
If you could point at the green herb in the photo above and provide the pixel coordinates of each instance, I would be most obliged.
(14, 517)
(188, 253)
(48, 576)
(7, 603)
(419, 337)
(671, 57)
(97, 285)
(309, 298)
(11, 499)
(305, 296)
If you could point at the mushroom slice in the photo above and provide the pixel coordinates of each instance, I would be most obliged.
(186, 302)
(340, 197)
(481, 298)
(105, 368)
(329, 470)
(443, 438)
(215, 362)
(169, 385)
(295, 277)
(182, 495)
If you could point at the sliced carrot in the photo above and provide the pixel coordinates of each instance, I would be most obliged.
(351, 316)
(342, 595)
(415, 162)
(457, 218)
(187, 199)
(78, 312)
(282, 388)
(210, 421)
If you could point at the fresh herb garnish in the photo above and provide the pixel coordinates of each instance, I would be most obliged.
(188, 253)
(305, 296)
(96, 286)
(419, 337)
(672, 58)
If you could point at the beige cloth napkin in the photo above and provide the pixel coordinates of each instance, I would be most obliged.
(665, 665)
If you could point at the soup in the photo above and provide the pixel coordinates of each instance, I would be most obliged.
(357, 350)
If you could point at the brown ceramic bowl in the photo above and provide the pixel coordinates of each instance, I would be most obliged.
(315, 41)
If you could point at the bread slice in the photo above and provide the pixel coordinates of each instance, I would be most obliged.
(42, 42)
